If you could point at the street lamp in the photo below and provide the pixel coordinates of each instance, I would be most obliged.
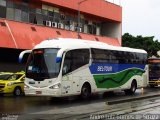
(78, 27)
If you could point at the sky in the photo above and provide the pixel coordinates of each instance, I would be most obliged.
(140, 17)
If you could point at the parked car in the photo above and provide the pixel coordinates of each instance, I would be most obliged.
(12, 83)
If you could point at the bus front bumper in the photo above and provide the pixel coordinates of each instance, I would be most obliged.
(43, 92)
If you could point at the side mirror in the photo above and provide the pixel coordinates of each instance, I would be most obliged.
(22, 55)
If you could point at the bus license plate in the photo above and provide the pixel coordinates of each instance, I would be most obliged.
(38, 92)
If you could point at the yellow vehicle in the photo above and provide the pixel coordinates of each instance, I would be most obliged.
(154, 71)
(12, 83)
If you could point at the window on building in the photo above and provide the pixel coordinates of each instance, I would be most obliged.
(56, 20)
(56, 15)
(38, 11)
(3, 3)
(25, 7)
(17, 14)
(10, 4)
(90, 29)
(39, 18)
(51, 13)
(2, 12)
(17, 6)
(22, 12)
(10, 13)
(32, 18)
(94, 28)
(50, 18)
(45, 18)
(45, 12)
(25, 17)
(32, 10)
(44, 7)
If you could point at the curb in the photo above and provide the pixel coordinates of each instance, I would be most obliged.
(131, 99)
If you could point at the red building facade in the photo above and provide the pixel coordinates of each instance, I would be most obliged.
(25, 23)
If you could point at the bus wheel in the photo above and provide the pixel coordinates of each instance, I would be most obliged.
(17, 91)
(86, 91)
(132, 89)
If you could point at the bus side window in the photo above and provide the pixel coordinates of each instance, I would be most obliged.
(75, 59)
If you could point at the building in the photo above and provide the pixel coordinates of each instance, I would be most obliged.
(24, 23)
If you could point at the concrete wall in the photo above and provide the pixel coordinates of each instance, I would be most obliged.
(111, 29)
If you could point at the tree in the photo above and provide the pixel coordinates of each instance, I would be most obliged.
(139, 42)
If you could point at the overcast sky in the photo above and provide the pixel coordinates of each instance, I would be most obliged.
(140, 17)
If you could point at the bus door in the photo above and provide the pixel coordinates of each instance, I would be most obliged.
(76, 84)
(67, 75)
(70, 83)
(66, 84)
(73, 68)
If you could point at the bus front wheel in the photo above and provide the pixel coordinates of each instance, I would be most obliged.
(132, 89)
(86, 91)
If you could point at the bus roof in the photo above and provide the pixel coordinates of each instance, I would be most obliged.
(70, 43)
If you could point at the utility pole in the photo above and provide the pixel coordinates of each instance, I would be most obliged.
(79, 14)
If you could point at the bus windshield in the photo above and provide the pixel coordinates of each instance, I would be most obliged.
(154, 70)
(42, 64)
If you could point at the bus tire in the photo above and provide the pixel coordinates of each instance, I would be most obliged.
(133, 88)
(17, 91)
(86, 91)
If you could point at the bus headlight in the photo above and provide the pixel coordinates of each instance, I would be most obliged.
(26, 86)
(56, 86)
(11, 83)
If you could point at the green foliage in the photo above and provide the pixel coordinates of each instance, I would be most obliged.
(146, 43)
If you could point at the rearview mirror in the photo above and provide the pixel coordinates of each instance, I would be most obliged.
(22, 55)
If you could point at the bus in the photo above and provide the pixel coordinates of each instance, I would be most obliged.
(64, 67)
(154, 71)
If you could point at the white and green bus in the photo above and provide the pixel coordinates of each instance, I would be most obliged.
(65, 67)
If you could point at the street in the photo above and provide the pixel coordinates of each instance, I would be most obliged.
(109, 106)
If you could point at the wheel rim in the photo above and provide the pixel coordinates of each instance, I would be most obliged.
(133, 87)
(17, 92)
(85, 92)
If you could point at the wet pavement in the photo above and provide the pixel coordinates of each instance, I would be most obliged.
(99, 106)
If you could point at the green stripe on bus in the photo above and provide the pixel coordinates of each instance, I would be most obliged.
(116, 79)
